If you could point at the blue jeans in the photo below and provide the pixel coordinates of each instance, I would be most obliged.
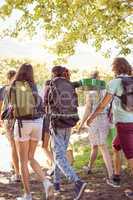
(60, 141)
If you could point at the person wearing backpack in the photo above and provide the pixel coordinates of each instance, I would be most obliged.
(46, 131)
(27, 112)
(121, 89)
(8, 125)
(98, 130)
(63, 102)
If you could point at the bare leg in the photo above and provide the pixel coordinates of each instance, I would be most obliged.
(37, 169)
(116, 161)
(15, 160)
(14, 154)
(46, 149)
(130, 161)
(23, 149)
(34, 164)
(129, 192)
(107, 159)
(93, 156)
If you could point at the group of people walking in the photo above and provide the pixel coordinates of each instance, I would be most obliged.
(28, 119)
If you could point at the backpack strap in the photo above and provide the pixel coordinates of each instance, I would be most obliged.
(110, 109)
(20, 125)
(38, 101)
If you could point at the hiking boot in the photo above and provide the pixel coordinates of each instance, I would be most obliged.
(48, 186)
(79, 189)
(111, 182)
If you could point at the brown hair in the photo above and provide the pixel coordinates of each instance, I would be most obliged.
(121, 66)
(57, 71)
(10, 74)
(67, 73)
(25, 73)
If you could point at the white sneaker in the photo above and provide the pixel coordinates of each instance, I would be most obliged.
(50, 172)
(25, 197)
(15, 178)
(49, 189)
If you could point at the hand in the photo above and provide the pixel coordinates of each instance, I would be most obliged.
(77, 128)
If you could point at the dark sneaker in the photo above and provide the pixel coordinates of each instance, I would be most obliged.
(79, 189)
(111, 182)
(57, 187)
(116, 178)
(87, 169)
(129, 194)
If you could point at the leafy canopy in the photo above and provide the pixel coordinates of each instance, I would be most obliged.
(71, 21)
(41, 72)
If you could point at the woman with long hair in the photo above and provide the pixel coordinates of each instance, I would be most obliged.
(28, 127)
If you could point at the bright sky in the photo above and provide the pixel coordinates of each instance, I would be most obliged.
(85, 56)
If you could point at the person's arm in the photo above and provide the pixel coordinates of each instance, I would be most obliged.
(108, 97)
(87, 111)
(76, 84)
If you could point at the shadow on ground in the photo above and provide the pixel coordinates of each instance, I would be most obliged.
(97, 189)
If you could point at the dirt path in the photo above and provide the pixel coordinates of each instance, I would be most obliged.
(96, 189)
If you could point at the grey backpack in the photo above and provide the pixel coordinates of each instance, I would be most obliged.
(63, 103)
(127, 95)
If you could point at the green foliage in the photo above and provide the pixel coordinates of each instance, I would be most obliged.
(82, 153)
(69, 22)
(41, 72)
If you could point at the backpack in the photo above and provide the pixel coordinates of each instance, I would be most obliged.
(127, 95)
(6, 110)
(62, 103)
(26, 102)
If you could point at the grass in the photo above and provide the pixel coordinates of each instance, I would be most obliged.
(82, 152)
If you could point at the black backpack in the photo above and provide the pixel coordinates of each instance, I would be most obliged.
(62, 103)
(127, 95)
